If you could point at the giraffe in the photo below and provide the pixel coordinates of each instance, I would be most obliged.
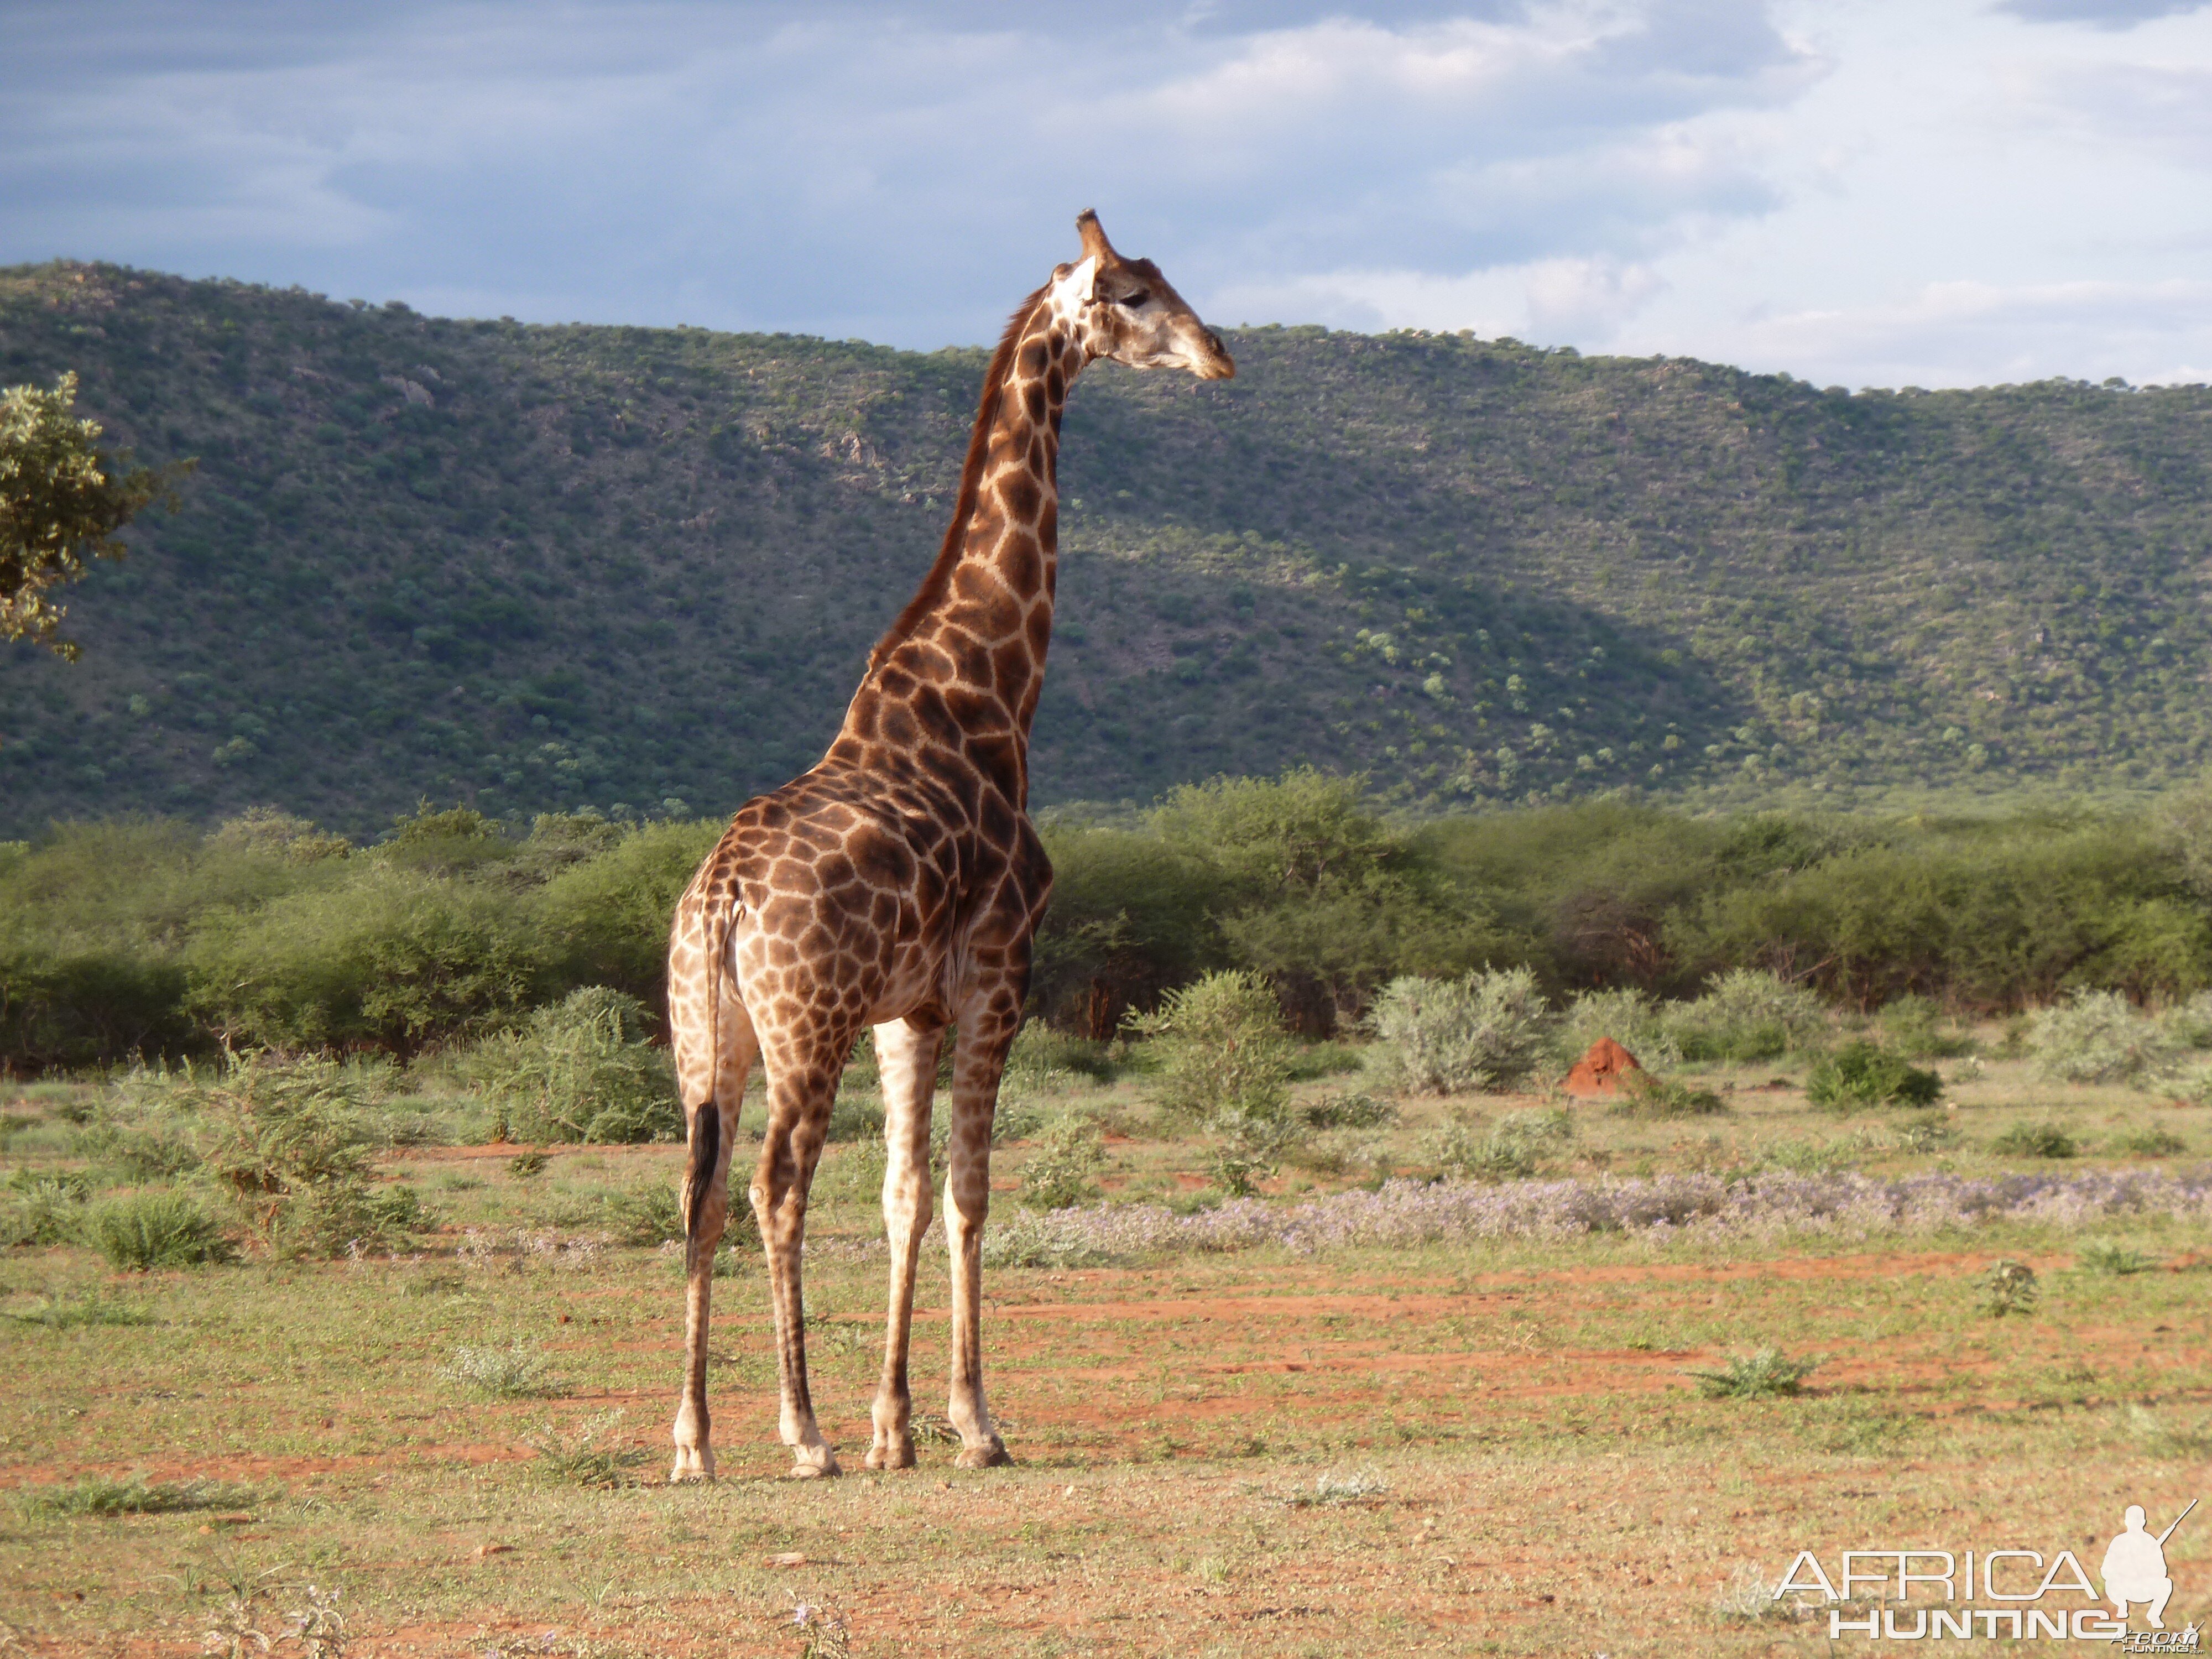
(898, 885)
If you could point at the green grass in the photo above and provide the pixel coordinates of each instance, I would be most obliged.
(2101, 1257)
(94, 1307)
(135, 1495)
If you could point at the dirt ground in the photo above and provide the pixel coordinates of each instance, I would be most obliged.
(1239, 1456)
(1462, 1448)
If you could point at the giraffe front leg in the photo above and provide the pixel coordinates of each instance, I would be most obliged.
(908, 1058)
(986, 1034)
(706, 1210)
(794, 1142)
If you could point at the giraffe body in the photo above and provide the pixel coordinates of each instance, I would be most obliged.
(898, 885)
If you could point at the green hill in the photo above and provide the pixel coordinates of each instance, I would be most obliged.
(557, 567)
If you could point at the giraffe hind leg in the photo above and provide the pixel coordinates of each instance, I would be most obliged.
(798, 1124)
(907, 1055)
(712, 1089)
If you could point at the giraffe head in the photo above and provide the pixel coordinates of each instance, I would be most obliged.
(1126, 310)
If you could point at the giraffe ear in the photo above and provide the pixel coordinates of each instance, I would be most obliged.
(1083, 280)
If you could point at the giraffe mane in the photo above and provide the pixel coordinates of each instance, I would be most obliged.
(971, 483)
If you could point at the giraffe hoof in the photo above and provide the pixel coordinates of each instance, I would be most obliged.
(815, 1467)
(991, 1454)
(898, 1456)
(690, 1471)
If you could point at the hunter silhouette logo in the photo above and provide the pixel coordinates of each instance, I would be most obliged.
(2135, 1567)
(2021, 1594)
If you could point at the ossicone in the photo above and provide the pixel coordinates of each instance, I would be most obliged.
(1095, 245)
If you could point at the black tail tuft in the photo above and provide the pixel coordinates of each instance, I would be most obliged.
(705, 1152)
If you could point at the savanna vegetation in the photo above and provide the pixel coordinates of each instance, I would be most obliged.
(538, 568)
(129, 939)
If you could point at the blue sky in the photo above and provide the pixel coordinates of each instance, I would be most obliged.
(1937, 192)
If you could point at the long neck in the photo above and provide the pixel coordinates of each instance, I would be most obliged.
(972, 641)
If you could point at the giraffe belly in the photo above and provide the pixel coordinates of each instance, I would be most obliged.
(919, 987)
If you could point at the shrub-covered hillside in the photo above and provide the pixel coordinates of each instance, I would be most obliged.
(536, 568)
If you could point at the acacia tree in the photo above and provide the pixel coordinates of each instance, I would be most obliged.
(61, 502)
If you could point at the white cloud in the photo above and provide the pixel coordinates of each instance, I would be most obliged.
(2163, 112)
(1584, 298)
(1735, 177)
(1968, 333)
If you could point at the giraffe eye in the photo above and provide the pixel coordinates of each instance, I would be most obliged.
(1133, 301)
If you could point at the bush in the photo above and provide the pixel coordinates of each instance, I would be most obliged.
(588, 1457)
(1913, 1027)
(580, 1071)
(1057, 1175)
(137, 1153)
(860, 1117)
(43, 1209)
(1646, 1095)
(646, 1215)
(1628, 1017)
(294, 1143)
(2149, 1143)
(604, 919)
(331, 1219)
(516, 1372)
(1860, 1074)
(1932, 1133)
(159, 1229)
(2009, 1287)
(1221, 1048)
(1510, 1150)
(1046, 1057)
(1355, 1111)
(1247, 1152)
(2035, 1140)
(1486, 1032)
(1747, 1014)
(2189, 1024)
(2098, 1037)
(1765, 1375)
(1320, 1059)
(90, 923)
(392, 956)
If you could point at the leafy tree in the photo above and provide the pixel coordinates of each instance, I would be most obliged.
(1303, 830)
(1318, 893)
(1130, 918)
(61, 502)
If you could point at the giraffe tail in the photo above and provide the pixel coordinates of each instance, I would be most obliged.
(720, 916)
